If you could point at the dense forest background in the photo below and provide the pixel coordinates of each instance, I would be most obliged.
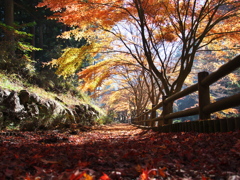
(32, 31)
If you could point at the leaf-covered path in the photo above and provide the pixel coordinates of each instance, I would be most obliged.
(119, 151)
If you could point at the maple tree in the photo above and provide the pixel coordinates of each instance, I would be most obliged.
(161, 36)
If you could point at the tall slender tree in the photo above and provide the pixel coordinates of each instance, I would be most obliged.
(9, 19)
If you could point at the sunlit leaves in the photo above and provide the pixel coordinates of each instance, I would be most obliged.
(163, 37)
(117, 100)
(72, 59)
(94, 75)
(81, 13)
(194, 22)
(27, 47)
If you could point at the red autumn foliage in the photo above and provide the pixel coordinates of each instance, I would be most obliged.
(104, 177)
(119, 152)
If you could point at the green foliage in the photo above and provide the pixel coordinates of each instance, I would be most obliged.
(26, 47)
(107, 118)
(104, 120)
(11, 81)
(14, 54)
(177, 121)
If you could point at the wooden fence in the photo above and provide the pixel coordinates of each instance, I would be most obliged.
(204, 109)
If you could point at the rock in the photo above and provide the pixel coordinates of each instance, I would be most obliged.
(32, 112)
(12, 102)
(43, 109)
(53, 105)
(71, 115)
(4, 94)
(78, 111)
(24, 97)
(57, 108)
(33, 109)
(34, 99)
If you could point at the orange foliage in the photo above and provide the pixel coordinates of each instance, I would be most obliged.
(193, 24)
(81, 13)
(163, 37)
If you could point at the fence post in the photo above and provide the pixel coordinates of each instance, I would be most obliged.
(132, 120)
(141, 119)
(167, 109)
(153, 115)
(145, 117)
(203, 96)
(138, 119)
(164, 113)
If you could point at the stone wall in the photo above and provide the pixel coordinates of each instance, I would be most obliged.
(30, 112)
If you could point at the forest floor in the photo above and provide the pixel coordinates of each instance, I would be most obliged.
(119, 152)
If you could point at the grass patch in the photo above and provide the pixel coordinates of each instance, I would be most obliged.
(16, 83)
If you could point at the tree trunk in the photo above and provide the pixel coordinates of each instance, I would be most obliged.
(9, 17)
(9, 36)
(33, 32)
(41, 35)
(167, 109)
(9, 12)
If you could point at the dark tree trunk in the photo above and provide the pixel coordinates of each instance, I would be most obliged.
(33, 31)
(167, 109)
(9, 17)
(9, 12)
(40, 35)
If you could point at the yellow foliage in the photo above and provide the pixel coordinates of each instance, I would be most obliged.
(223, 113)
(118, 100)
(95, 75)
(87, 176)
(71, 60)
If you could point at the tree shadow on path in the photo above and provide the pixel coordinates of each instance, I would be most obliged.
(121, 151)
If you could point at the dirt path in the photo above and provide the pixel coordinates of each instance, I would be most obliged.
(118, 130)
(119, 152)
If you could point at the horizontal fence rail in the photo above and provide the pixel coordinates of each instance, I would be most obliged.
(204, 109)
(207, 126)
